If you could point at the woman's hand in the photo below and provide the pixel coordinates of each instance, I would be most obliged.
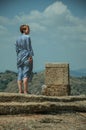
(30, 59)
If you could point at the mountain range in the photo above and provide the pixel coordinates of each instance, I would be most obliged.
(8, 83)
(78, 72)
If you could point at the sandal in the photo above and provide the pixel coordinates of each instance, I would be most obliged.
(20, 92)
(27, 92)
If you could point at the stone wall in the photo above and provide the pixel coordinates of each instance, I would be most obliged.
(57, 79)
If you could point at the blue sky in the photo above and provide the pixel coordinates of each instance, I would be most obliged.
(58, 31)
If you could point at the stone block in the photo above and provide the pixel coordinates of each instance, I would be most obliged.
(57, 90)
(57, 79)
(57, 74)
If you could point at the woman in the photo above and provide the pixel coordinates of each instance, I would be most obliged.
(24, 58)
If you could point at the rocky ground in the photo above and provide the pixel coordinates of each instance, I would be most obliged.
(61, 121)
(50, 113)
(32, 112)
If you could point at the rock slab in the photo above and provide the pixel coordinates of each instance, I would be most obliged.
(13, 103)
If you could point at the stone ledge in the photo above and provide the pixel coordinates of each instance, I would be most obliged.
(59, 65)
(14, 103)
(16, 97)
(41, 108)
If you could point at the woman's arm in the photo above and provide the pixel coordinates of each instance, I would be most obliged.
(29, 47)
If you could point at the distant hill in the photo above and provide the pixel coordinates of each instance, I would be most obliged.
(8, 83)
(78, 73)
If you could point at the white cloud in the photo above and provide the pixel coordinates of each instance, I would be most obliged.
(55, 20)
(3, 30)
(56, 9)
(55, 25)
(54, 15)
(37, 27)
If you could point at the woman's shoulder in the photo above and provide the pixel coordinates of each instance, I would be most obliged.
(26, 36)
(23, 37)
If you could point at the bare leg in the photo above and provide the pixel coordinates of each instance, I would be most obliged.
(20, 86)
(25, 81)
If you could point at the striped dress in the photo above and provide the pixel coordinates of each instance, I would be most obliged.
(24, 51)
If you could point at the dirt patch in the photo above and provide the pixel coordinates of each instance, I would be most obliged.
(66, 121)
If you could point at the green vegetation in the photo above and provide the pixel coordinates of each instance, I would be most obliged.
(6, 78)
(78, 85)
(8, 83)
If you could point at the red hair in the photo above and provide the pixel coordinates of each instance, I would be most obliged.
(24, 27)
